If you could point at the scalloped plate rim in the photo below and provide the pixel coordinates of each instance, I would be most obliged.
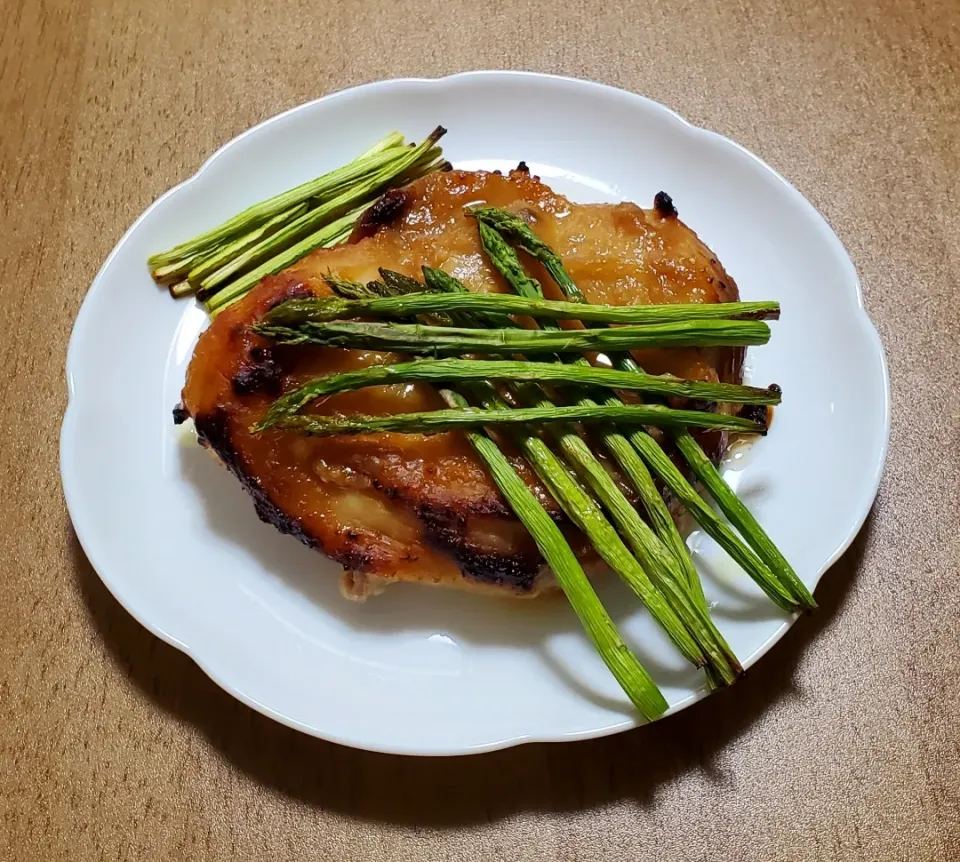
(142, 615)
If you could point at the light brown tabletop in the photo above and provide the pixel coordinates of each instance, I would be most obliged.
(842, 744)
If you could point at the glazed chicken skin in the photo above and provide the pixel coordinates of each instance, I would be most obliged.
(394, 507)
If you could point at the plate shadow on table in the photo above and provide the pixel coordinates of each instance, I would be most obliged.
(455, 791)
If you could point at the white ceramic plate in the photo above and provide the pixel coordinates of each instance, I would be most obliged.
(420, 671)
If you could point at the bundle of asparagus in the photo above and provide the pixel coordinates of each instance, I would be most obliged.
(766, 564)
(223, 263)
(439, 316)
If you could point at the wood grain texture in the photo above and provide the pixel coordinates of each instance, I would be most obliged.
(841, 745)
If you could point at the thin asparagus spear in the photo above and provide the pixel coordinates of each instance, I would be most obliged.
(343, 232)
(437, 421)
(321, 309)
(353, 195)
(171, 272)
(390, 142)
(440, 282)
(431, 163)
(345, 287)
(388, 150)
(223, 254)
(396, 283)
(331, 234)
(520, 232)
(708, 520)
(670, 579)
(651, 553)
(344, 227)
(440, 370)
(414, 338)
(393, 285)
(703, 467)
(634, 680)
(740, 516)
(182, 289)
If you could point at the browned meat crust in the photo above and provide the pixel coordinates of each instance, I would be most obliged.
(392, 507)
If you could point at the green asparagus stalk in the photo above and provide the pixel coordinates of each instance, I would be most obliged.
(397, 284)
(740, 516)
(383, 153)
(710, 522)
(432, 162)
(345, 287)
(437, 421)
(344, 227)
(202, 265)
(181, 289)
(631, 675)
(331, 234)
(773, 562)
(587, 515)
(172, 272)
(327, 308)
(307, 223)
(439, 282)
(667, 574)
(649, 551)
(248, 240)
(437, 340)
(445, 370)
(393, 285)
(519, 231)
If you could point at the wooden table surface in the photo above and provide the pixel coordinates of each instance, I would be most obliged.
(841, 745)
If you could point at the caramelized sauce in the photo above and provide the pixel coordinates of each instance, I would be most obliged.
(369, 500)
